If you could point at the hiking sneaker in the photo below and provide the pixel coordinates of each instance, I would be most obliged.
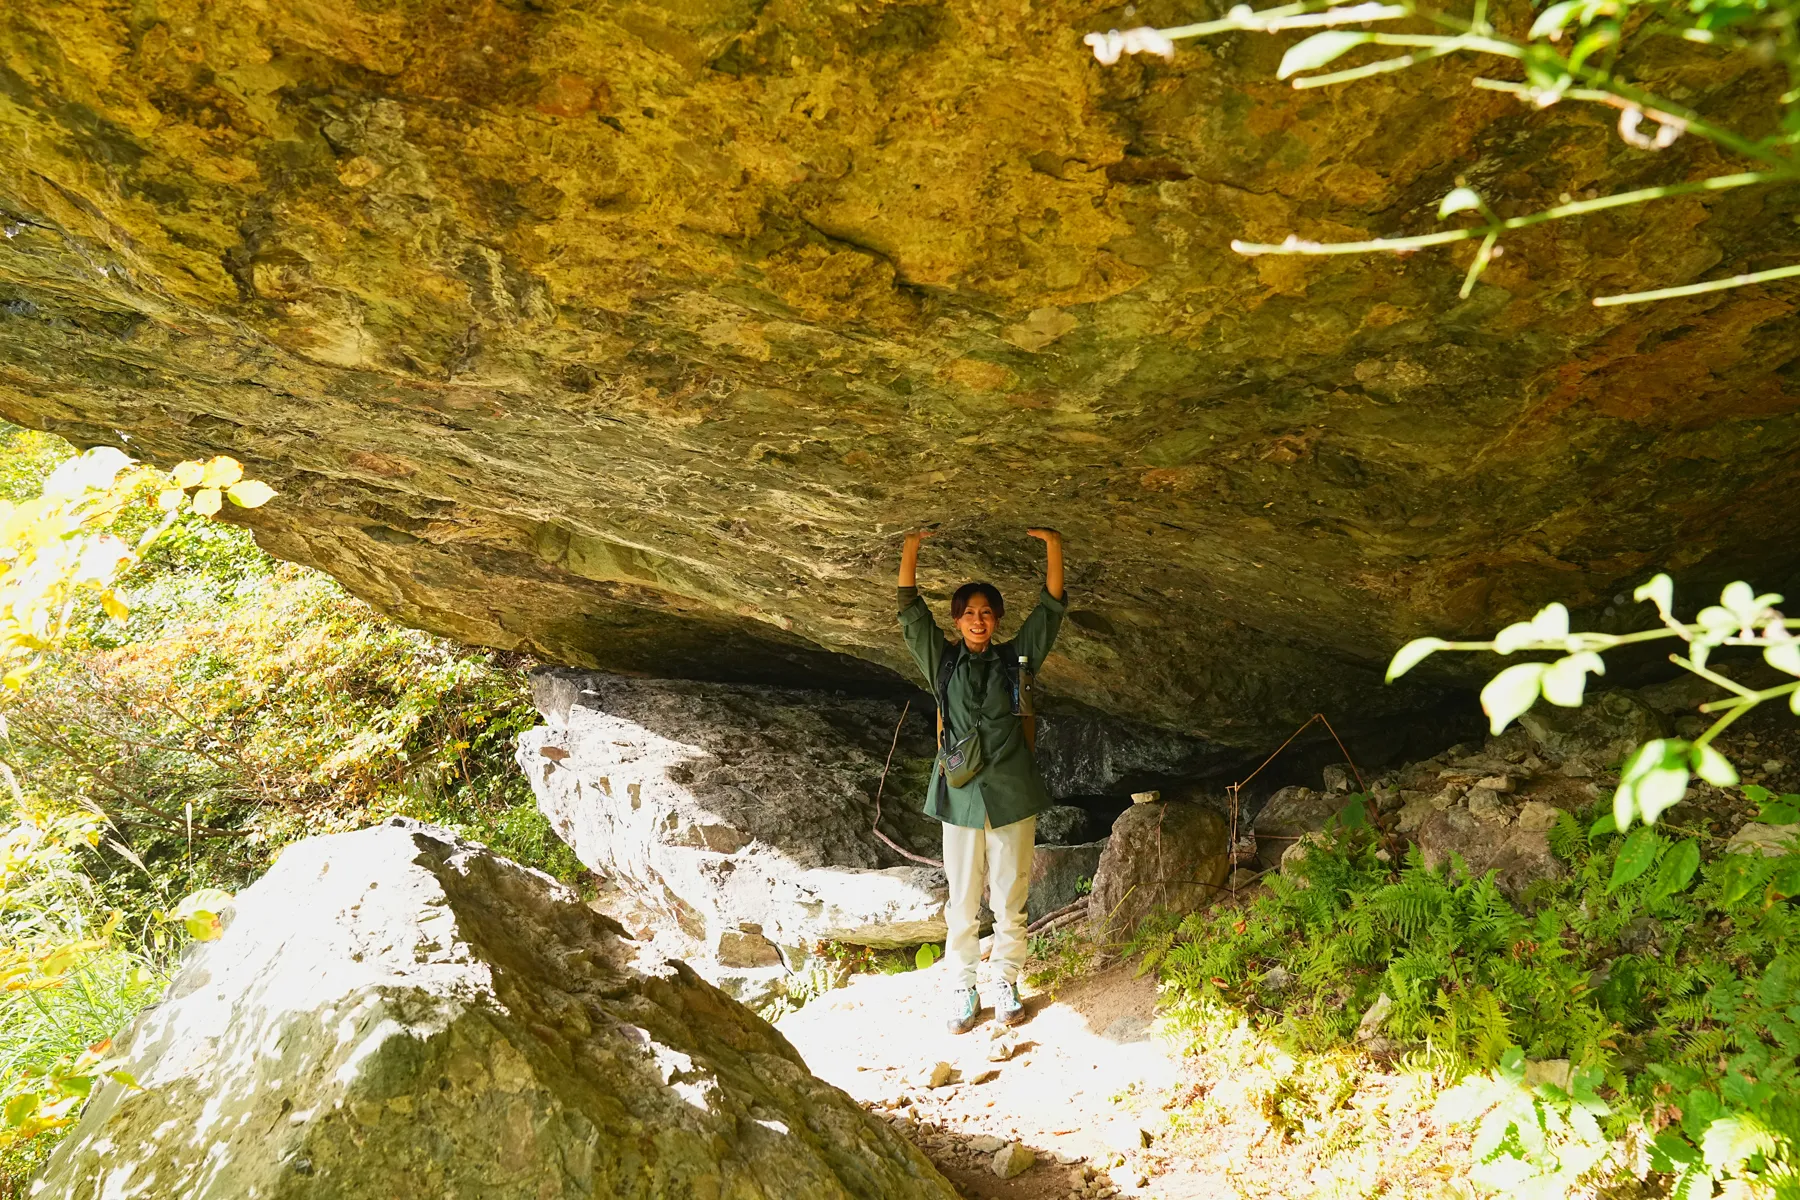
(965, 1005)
(1008, 1008)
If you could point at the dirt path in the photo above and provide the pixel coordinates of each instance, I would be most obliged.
(1084, 1087)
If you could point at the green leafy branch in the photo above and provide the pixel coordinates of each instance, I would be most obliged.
(57, 549)
(59, 546)
(1657, 775)
(1585, 70)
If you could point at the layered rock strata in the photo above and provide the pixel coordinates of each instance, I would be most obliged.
(630, 335)
(396, 1013)
(747, 815)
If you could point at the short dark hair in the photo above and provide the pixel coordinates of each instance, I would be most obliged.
(969, 591)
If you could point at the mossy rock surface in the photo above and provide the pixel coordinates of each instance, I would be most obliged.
(631, 335)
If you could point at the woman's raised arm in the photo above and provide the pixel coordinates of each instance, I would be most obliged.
(923, 638)
(909, 558)
(1053, 560)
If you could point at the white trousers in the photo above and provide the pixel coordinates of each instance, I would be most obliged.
(1002, 859)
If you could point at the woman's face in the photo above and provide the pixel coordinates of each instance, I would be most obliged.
(977, 623)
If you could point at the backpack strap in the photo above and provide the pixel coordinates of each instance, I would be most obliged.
(1009, 664)
(946, 668)
(1009, 667)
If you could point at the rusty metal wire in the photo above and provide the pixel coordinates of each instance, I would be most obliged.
(1234, 789)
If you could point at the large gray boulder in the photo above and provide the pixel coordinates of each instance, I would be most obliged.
(395, 1013)
(1488, 832)
(1165, 855)
(745, 815)
(1062, 825)
(742, 813)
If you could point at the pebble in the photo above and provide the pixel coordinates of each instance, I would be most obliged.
(986, 1143)
(1013, 1160)
(1495, 783)
(981, 1074)
(938, 1075)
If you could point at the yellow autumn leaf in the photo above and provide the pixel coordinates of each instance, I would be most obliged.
(169, 499)
(199, 913)
(251, 493)
(115, 607)
(221, 472)
(187, 474)
(206, 501)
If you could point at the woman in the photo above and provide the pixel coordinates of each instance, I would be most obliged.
(985, 786)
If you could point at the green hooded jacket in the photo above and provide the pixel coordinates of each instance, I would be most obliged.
(1008, 789)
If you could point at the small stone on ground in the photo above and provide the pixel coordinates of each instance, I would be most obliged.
(1013, 1160)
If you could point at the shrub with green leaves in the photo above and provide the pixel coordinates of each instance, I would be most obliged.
(1662, 968)
(187, 706)
(46, 1032)
(220, 732)
(63, 551)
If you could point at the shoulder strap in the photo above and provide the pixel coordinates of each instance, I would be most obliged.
(1009, 662)
(946, 668)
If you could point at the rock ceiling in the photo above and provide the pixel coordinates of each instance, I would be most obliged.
(633, 335)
